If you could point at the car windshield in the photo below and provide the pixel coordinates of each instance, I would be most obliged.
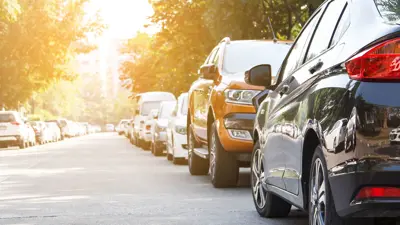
(184, 108)
(242, 56)
(167, 110)
(148, 106)
(389, 10)
(6, 118)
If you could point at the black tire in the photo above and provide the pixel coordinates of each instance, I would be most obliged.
(197, 165)
(330, 215)
(224, 169)
(267, 204)
(169, 157)
(177, 161)
(22, 144)
(157, 151)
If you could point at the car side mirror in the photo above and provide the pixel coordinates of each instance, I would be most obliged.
(260, 75)
(208, 72)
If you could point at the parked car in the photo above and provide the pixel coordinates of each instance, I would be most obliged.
(148, 129)
(109, 128)
(145, 103)
(54, 131)
(13, 131)
(121, 126)
(221, 114)
(159, 138)
(63, 125)
(129, 129)
(176, 131)
(335, 58)
(31, 135)
(42, 133)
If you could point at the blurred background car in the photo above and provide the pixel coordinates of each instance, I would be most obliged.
(177, 132)
(63, 125)
(13, 131)
(120, 128)
(147, 130)
(54, 131)
(42, 133)
(31, 135)
(109, 128)
(159, 138)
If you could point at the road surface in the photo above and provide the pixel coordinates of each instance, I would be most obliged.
(103, 179)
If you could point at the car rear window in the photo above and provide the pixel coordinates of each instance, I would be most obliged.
(6, 118)
(389, 10)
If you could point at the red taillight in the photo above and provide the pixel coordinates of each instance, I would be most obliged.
(15, 123)
(148, 127)
(378, 192)
(382, 62)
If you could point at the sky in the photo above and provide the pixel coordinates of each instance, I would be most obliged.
(123, 17)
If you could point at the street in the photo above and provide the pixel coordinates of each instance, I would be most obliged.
(103, 179)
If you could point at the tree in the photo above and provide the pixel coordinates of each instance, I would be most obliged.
(37, 46)
(169, 60)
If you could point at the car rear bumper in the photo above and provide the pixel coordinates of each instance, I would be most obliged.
(10, 138)
(243, 122)
(180, 146)
(346, 183)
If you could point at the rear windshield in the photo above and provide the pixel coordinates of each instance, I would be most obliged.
(6, 118)
(389, 10)
(167, 110)
(148, 106)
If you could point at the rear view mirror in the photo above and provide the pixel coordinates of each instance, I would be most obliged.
(208, 72)
(259, 75)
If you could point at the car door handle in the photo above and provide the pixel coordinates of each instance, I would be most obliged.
(316, 67)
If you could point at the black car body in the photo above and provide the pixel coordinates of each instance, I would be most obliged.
(330, 114)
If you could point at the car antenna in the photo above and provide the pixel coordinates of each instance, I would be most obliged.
(272, 30)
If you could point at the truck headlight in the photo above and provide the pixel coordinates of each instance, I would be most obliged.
(243, 97)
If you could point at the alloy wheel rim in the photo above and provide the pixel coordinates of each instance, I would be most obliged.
(213, 147)
(318, 194)
(257, 174)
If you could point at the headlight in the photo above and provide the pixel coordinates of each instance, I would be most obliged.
(180, 130)
(244, 97)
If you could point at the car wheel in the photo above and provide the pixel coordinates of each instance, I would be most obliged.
(157, 151)
(224, 169)
(267, 204)
(322, 208)
(170, 157)
(22, 144)
(197, 165)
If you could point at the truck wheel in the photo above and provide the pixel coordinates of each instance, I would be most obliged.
(224, 169)
(197, 165)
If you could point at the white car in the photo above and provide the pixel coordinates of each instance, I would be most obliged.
(176, 131)
(147, 130)
(54, 130)
(109, 128)
(145, 103)
(121, 126)
(31, 135)
(13, 131)
(335, 137)
(159, 139)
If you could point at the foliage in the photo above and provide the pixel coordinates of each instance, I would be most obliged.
(169, 60)
(37, 40)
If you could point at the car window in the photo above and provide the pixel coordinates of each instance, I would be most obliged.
(342, 26)
(326, 26)
(295, 58)
(166, 110)
(389, 10)
(242, 56)
(6, 118)
(212, 56)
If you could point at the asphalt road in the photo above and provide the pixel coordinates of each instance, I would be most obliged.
(103, 179)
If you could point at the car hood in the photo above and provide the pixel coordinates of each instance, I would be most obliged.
(236, 81)
(162, 123)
